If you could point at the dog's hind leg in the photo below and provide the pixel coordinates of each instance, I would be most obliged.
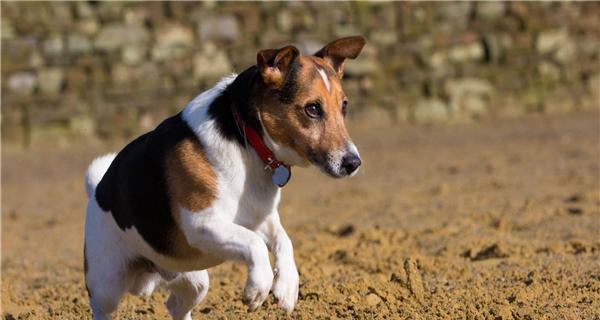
(108, 274)
(145, 283)
(106, 280)
(187, 290)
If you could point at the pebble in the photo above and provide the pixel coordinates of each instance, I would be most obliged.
(373, 299)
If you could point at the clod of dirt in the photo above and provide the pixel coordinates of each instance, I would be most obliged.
(490, 252)
(530, 278)
(205, 310)
(501, 313)
(310, 296)
(499, 223)
(141, 311)
(12, 215)
(373, 299)
(399, 277)
(345, 231)
(339, 256)
(574, 198)
(341, 231)
(441, 189)
(575, 211)
(452, 170)
(511, 298)
(577, 247)
(415, 283)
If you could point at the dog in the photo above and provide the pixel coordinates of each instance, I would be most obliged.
(203, 187)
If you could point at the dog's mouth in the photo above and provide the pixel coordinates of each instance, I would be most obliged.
(336, 164)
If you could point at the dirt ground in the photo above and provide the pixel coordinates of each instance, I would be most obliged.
(492, 220)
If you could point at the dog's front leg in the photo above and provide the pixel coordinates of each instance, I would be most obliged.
(286, 284)
(228, 241)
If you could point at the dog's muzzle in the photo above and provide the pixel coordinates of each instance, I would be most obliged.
(339, 163)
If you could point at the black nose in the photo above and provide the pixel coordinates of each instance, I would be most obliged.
(350, 163)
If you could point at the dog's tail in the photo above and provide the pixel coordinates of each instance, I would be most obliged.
(96, 171)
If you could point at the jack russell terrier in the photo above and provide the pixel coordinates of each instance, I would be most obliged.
(204, 186)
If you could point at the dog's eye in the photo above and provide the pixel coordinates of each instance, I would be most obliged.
(313, 110)
(344, 107)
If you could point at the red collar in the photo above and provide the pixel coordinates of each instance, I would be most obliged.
(281, 171)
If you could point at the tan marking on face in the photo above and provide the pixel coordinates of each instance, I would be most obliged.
(289, 125)
(192, 184)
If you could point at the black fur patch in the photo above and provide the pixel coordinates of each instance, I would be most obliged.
(237, 98)
(289, 90)
(134, 187)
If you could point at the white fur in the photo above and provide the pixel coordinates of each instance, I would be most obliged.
(325, 79)
(334, 161)
(96, 171)
(241, 224)
(188, 289)
(352, 148)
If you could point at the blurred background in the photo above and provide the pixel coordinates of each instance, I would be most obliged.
(477, 123)
(84, 70)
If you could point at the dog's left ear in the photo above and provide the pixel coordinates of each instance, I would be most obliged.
(337, 51)
(274, 64)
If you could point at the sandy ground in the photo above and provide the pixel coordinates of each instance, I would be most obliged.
(497, 220)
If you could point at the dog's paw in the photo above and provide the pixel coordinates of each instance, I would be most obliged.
(286, 287)
(258, 286)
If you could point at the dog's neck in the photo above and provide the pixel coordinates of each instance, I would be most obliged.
(235, 98)
(211, 116)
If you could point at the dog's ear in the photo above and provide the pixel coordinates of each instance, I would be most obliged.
(337, 51)
(274, 64)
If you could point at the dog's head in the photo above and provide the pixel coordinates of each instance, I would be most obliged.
(302, 106)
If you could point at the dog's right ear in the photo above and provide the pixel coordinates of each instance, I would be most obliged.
(274, 64)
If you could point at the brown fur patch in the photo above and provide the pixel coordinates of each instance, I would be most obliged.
(191, 180)
(191, 183)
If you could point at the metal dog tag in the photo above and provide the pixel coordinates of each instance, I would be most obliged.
(281, 176)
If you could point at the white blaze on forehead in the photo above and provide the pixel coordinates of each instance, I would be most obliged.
(325, 79)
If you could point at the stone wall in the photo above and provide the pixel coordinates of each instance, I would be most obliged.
(100, 69)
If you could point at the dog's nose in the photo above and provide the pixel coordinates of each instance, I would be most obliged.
(350, 163)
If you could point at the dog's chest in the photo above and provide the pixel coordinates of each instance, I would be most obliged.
(246, 194)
